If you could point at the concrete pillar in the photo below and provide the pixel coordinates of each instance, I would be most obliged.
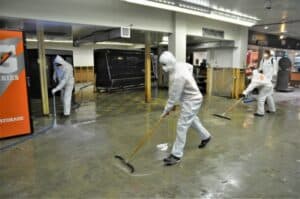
(209, 84)
(42, 68)
(240, 53)
(177, 40)
(147, 68)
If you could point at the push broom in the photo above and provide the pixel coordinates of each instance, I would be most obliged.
(223, 115)
(141, 143)
(54, 125)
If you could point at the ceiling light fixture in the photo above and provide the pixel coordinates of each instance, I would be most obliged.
(165, 38)
(282, 28)
(199, 2)
(111, 43)
(266, 27)
(203, 11)
(31, 40)
(59, 41)
(50, 41)
(164, 41)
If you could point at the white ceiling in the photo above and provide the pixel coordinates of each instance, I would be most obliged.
(282, 10)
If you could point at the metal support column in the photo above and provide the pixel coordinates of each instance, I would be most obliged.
(147, 68)
(209, 81)
(42, 68)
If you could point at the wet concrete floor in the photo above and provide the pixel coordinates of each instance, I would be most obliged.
(248, 157)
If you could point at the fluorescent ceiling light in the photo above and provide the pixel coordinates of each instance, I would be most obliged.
(198, 2)
(70, 41)
(111, 43)
(31, 40)
(50, 41)
(216, 13)
(59, 41)
(229, 20)
(139, 46)
(164, 41)
(282, 28)
(165, 38)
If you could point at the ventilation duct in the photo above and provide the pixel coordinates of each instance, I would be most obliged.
(107, 35)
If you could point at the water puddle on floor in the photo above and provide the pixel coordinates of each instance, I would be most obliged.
(216, 121)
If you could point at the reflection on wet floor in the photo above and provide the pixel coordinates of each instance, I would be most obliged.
(248, 157)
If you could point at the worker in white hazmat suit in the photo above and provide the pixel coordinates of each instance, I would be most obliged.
(182, 89)
(268, 66)
(57, 77)
(66, 82)
(265, 87)
(190, 68)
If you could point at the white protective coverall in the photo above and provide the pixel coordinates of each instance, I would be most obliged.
(66, 82)
(269, 68)
(265, 87)
(183, 89)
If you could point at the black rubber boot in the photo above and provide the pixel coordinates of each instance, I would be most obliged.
(270, 111)
(258, 115)
(171, 160)
(64, 116)
(204, 143)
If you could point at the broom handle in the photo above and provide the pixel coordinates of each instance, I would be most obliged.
(232, 106)
(54, 106)
(147, 135)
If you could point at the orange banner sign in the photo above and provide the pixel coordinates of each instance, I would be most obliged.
(14, 105)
